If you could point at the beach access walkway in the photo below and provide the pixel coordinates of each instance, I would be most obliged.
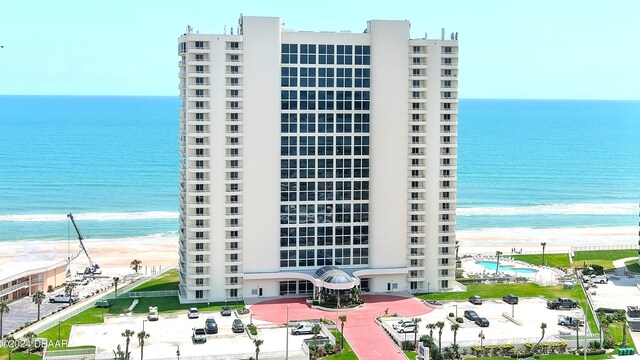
(367, 339)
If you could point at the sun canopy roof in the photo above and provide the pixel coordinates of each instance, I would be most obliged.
(334, 278)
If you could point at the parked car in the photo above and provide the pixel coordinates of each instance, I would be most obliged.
(211, 326)
(471, 315)
(569, 321)
(602, 279)
(303, 328)
(475, 299)
(153, 313)
(237, 326)
(226, 311)
(562, 303)
(510, 299)
(407, 328)
(401, 323)
(193, 313)
(199, 335)
(482, 322)
(62, 298)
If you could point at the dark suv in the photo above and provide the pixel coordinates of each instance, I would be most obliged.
(510, 299)
(210, 326)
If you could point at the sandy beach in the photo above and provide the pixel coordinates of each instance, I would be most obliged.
(113, 256)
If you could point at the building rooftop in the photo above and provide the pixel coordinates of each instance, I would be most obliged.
(13, 270)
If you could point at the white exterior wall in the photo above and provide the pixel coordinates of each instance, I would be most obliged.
(390, 141)
(261, 44)
(388, 181)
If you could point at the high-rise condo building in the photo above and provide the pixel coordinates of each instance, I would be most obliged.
(316, 161)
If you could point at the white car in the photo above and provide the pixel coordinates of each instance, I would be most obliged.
(193, 313)
(407, 328)
(303, 328)
(401, 323)
(62, 298)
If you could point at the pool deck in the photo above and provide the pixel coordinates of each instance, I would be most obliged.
(542, 274)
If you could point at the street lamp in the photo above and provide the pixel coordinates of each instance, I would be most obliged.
(287, 341)
(143, 321)
(456, 305)
(481, 336)
(498, 253)
(544, 244)
(178, 352)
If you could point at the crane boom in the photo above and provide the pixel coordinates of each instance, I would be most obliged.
(94, 268)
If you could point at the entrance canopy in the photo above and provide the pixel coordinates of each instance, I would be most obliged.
(331, 277)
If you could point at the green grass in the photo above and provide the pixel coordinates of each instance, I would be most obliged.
(347, 353)
(554, 260)
(166, 281)
(493, 291)
(615, 331)
(165, 305)
(411, 354)
(20, 356)
(603, 258)
(89, 316)
(632, 265)
(554, 357)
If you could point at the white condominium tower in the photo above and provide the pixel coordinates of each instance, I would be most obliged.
(316, 161)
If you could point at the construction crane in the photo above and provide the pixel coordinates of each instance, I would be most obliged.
(93, 268)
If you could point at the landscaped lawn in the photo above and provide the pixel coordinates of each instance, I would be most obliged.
(556, 357)
(615, 331)
(554, 260)
(411, 354)
(166, 281)
(489, 291)
(347, 353)
(632, 265)
(89, 316)
(165, 305)
(21, 356)
(603, 258)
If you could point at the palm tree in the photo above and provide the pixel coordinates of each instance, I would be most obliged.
(343, 319)
(10, 341)
(37, 298)
(624, 332)
(142, 336)
(543, 327)
(416, 321)
(136, 265)
(454, 328)
(315, 330)
(4, 309)
(68, 291)
(356, 292)
(127, 334)
(257, 343)
(431, 326)
(440, 326)
(115, 283)
(29, 339)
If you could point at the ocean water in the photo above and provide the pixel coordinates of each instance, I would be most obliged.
(113, 162)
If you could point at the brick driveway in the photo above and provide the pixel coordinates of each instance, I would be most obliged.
(366, 338)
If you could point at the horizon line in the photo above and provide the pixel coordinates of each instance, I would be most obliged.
(462, 98)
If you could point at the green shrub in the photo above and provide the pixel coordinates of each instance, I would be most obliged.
(407, 345)
(451, 314)
(518, 355)
(459, 320)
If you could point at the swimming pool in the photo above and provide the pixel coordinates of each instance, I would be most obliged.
(491, 265)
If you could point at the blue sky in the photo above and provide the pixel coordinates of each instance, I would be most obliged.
(508, 49)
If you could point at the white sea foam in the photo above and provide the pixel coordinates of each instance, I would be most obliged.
(91, 216)
(553, 209)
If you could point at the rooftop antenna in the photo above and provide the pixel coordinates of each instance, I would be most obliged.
(225, 29)
(442, 36)
(232, 30)
(240, 25)
(189, 29)
(425, 35)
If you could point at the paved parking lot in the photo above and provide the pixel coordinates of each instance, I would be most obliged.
(531, 312)
(25, 310)
(173, 330)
